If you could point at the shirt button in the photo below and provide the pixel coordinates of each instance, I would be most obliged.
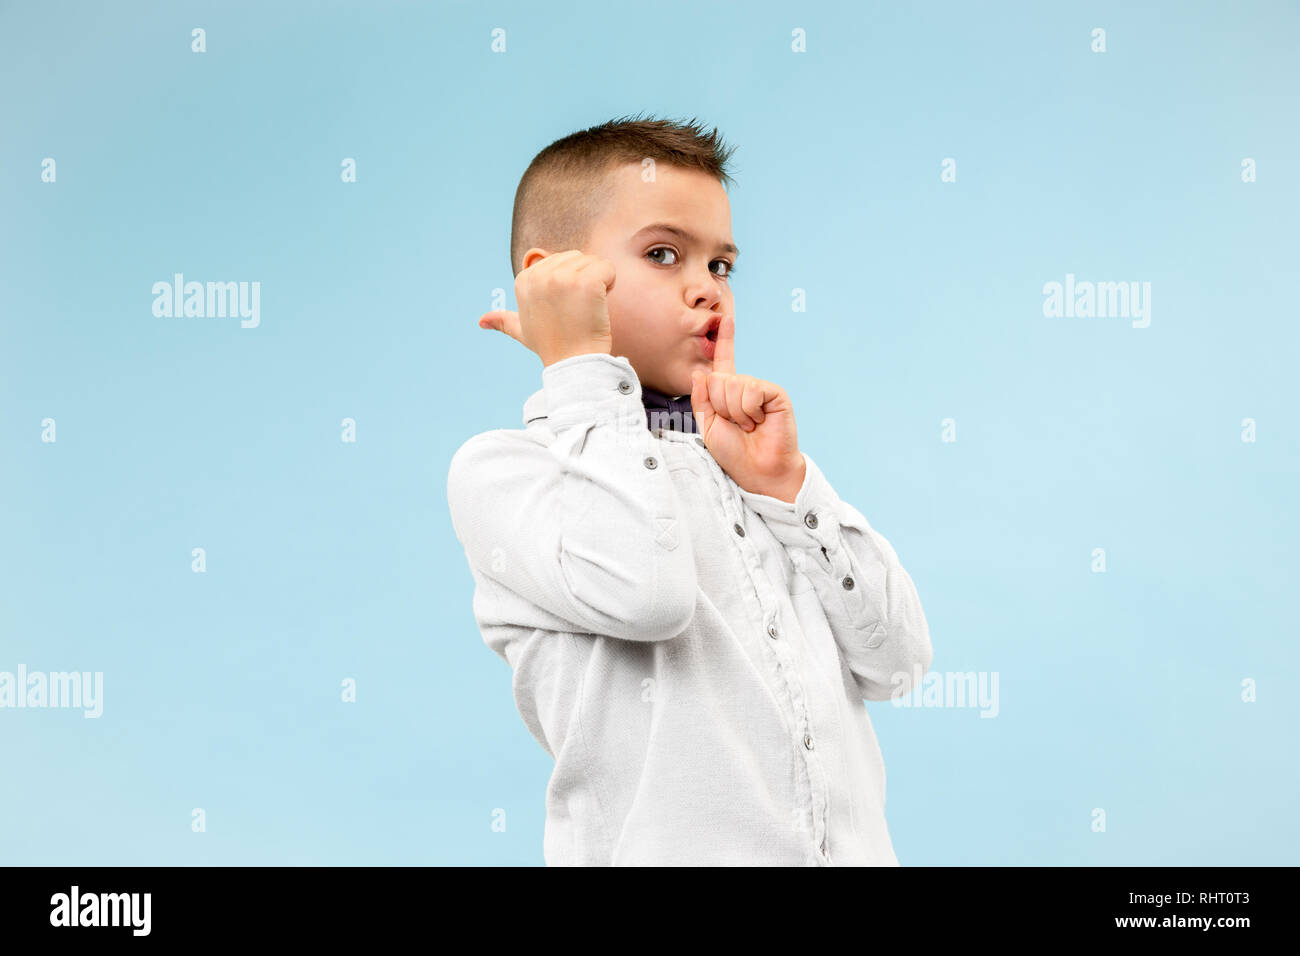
(699, 441)
(651, 463)
(848, 583)
(771, 631)
(739, 530)
(625, 386)
(807, 741)
(810, 520)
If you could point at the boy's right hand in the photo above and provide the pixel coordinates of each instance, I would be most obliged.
(562, 307)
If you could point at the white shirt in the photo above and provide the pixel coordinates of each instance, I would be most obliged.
(693, 656)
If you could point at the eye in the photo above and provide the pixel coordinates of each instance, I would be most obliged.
(731, 266)
(668, 249)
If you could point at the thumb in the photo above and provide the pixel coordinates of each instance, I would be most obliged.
(503, 320)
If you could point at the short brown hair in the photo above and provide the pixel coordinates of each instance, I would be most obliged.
(566, 186)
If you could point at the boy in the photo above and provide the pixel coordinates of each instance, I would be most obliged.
(692, 614)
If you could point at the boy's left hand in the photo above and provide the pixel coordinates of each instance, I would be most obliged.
(747, 424)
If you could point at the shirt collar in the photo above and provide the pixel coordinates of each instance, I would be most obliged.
(653, 401)
(535, 406)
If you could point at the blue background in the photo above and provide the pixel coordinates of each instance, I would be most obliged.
(327, 560)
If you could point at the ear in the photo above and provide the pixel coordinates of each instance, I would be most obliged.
(534, 256)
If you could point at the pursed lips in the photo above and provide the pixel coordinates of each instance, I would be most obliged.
(708, 339)
(711, 332)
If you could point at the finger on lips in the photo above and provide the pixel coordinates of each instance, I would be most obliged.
(724, 351)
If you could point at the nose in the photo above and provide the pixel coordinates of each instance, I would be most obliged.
(704, 292)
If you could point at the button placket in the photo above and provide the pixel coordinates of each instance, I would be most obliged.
(796, 695)
(789, 661)
(818, 786)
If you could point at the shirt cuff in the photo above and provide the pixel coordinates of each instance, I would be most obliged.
(593, 387)
(811, 520)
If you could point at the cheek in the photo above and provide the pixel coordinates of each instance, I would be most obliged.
(627, 296)
(632, 309)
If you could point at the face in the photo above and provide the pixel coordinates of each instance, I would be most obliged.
(670, 243)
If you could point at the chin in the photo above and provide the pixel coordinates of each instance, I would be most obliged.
(678, 380)
(682, 383)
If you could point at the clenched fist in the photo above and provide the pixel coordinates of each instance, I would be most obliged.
(562, 307)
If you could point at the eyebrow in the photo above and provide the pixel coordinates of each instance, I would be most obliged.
(682, 234)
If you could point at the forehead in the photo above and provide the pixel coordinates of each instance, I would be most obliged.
(688, 198)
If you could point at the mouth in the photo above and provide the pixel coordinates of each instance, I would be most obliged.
(708, 336)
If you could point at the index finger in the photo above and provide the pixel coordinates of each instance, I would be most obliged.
(724, 351)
